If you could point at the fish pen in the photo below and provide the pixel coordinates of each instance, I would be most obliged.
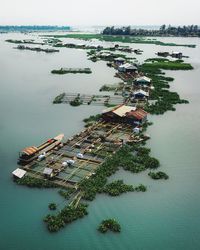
(78, 157)
(76, 99)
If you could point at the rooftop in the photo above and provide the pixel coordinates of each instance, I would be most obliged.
(30, 150)
(141, 92)
(19, 172)
(128, 66)
(138, 114)
(120, 110)
(143, 78)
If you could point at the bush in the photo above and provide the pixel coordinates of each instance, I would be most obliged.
(109, 224)
(52, 206)
(65, 216)
(158, 175)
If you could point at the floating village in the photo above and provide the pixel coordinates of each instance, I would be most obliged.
(80, 165)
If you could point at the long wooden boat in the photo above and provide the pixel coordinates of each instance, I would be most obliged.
(30, 153)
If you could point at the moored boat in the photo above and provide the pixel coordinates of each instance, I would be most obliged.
(30, 153)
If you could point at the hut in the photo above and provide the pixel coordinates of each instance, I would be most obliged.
(104, 55)
(124, 114)
(139, 116)
(143, 80)
(140, 94)
(119, 60)
(19, 173)
(127, 68)
(48, 172)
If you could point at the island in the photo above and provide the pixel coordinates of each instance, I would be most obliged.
(109, 224)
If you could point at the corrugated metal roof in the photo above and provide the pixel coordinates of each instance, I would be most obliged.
(138, 114)
(19, 173)
(143, 79)
(47, 171)
(30, 150)
(141, 92)
(119, 59)
(122, 110)
(176, 53)
(128, 66)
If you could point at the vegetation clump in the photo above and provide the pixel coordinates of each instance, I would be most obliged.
(52, 206)
(71, 70)
(160, 63)
(76, 102)
(163, 99)
(158, 175)
(132, 158)
(34, 182)
(93, 118)
(65, 216)
(59, 99)
(107, 87)
(66, 193)
(141, 188)
(109, 224)
(118, 187)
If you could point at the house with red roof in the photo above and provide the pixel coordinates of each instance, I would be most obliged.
(125, 114)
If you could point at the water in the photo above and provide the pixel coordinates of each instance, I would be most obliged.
(165, 217)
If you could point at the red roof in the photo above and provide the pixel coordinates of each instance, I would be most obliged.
(139, 114)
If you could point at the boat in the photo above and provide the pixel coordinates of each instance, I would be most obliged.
(30, 153)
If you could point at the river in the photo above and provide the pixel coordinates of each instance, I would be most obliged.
(166, 217)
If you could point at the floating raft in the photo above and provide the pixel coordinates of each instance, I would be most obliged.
(71, 70)
(89, 99)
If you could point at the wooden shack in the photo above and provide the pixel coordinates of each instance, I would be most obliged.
(143, 80)
(127, 68)
(124, 114)
(140, 94)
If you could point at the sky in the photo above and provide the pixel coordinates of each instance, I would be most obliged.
(99, 12)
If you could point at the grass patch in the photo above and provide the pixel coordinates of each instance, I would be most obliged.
(160, 63)
(119, 38)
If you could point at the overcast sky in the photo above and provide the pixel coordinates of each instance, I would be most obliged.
(99, 12)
